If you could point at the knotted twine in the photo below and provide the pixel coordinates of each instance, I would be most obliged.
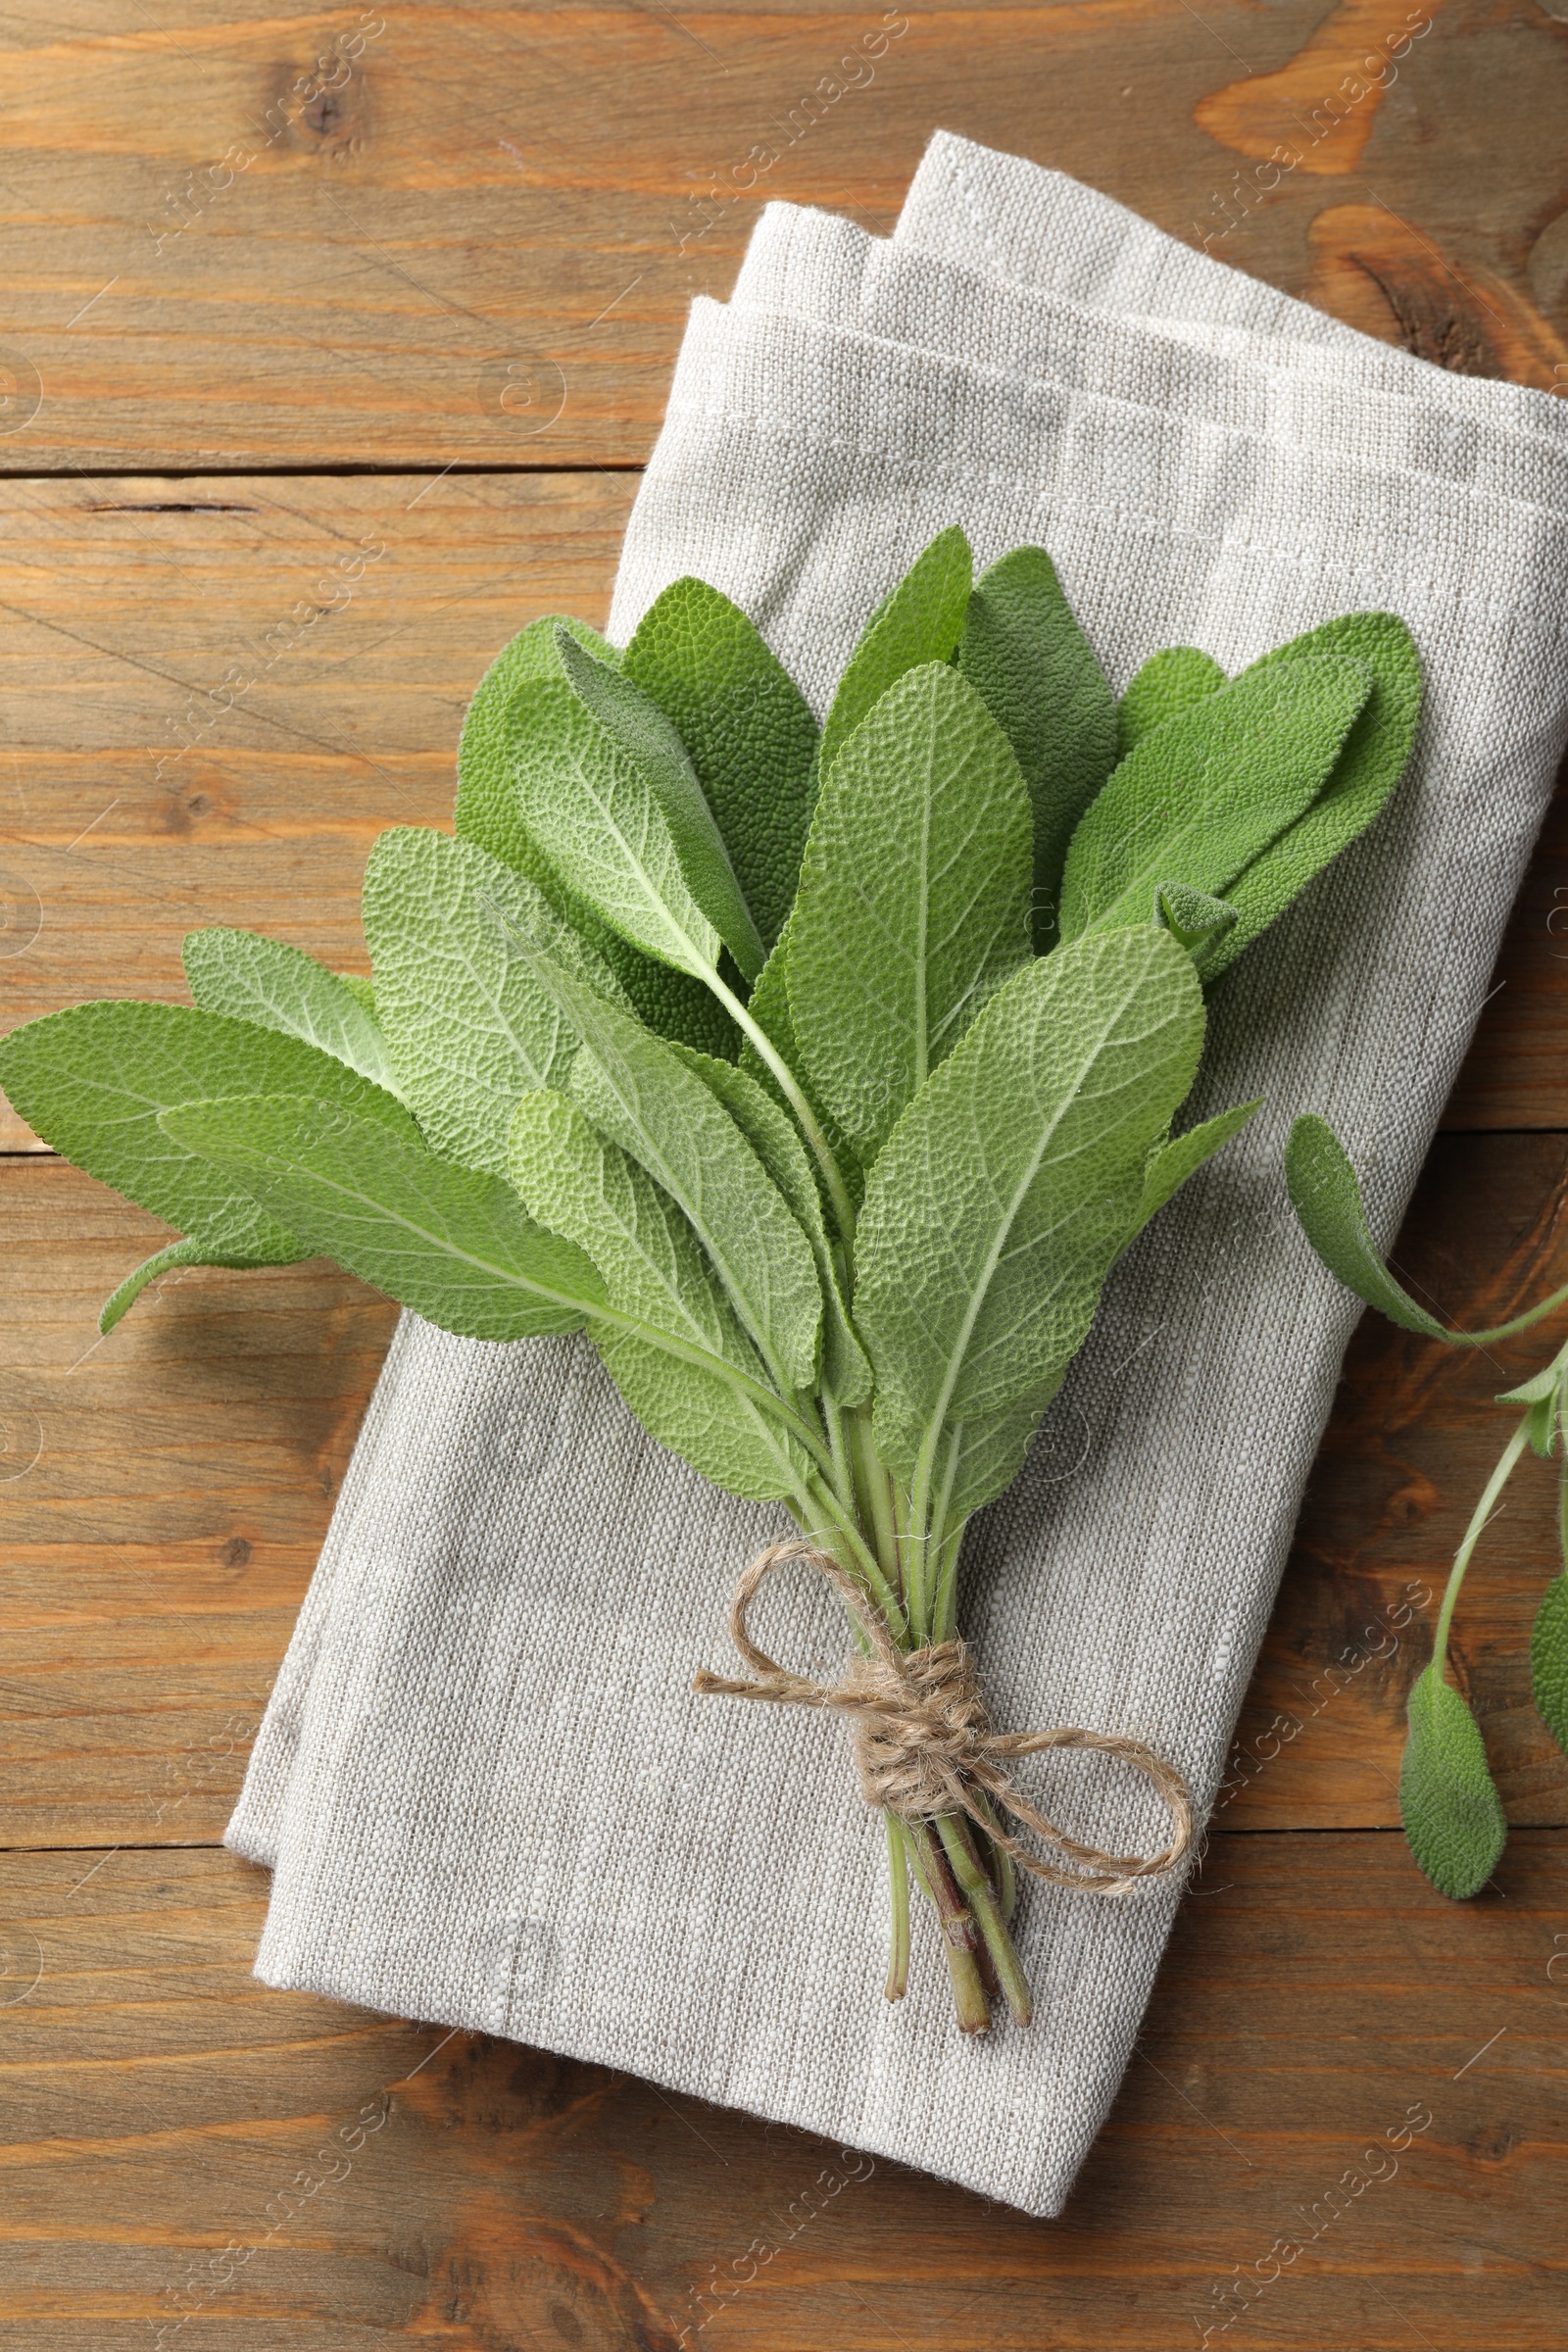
(922, 1744)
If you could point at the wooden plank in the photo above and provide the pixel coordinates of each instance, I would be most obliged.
(165, 2114)
(188, 745)
(440, 245)
(159, 1544)
(220, 696)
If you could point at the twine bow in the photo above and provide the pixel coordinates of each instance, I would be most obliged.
(922, 1744)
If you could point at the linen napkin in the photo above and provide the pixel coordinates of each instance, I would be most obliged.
(487, 1793)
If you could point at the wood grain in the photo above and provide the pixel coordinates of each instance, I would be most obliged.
(218, 698)
(165, 2117)
(247, 255)
(476, 239)
(161, 1541)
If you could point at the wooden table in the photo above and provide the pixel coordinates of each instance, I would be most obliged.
(282, 286)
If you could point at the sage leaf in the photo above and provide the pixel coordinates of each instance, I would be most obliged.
(486, 809)
(280, 987)
(92, 1080)
(635, 726)
(1374, 758)
(769, 1008)
(776, 1140)
(919, 620)
(1548, 1659)
(1452, 1816)
(1200, 798)
(914, 898)
(597, 822)
(639, 1094)
(165, 1262)
(1543, 1395)
(1192, 918)
(1024, 653)
(454, 1243)
(1327, 1200)
(1014, 1180)
(524, 696)
(747, 729)
(987, 1452)
(469, 1027)
(588, 1190)
(1168, 683)
(1170, 1165)
(362, 988)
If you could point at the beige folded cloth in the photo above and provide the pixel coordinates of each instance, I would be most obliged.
(485, 1788)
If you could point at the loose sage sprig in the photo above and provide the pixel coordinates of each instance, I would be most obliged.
(1453, 1817)
(820, 1078)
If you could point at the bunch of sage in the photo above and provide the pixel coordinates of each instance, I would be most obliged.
(1448, 1801)
(821, 1077)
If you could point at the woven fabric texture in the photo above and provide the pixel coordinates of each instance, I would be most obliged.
(485, 1788)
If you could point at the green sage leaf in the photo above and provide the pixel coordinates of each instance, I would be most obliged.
(596, 822)
(165, 1262)
(1200, 797)
(1192, 918)
(1548, 1659)
(919, 620)
(1327, 1200)
(1014, 1180)
(914, 898)
(92, 1080)
(1374, 758)
(454, 1243)
(639, 1094)
(1170, 1165)
(747, 729)
(280, 987)
(524, 696)
(776, 1140)
(586, 1188)
(769, 1008)
(488, 809)
(1168, 683)
(362, 988)
(1024, 653)
(469, 1027)
(1452, 1815)
(637, 728)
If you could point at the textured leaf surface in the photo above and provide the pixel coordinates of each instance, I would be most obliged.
(469, 1026)
(1548, 1659)
(1025, 655)
(455, 1245)
(988, 1450)
(1168, 683)
(586, 1188)
(1170, 1165)
(1191, 917)
(637, 727)
(749, 731)
(914, 898)
(1376, 753)
(280, 987)
(640, 1095)
(775, 1139)
(769, 1008)
(487, 802)
(1199, 799)
(1452, 1815)
(596, 822)
(94, 1080)
(489, 814)
(919, 620)
(166, 1261)
(1014, 1179)
(1327, 1200)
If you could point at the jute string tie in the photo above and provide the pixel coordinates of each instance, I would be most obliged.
(922, 1744)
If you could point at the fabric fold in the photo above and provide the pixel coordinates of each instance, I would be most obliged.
(488, 1793)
